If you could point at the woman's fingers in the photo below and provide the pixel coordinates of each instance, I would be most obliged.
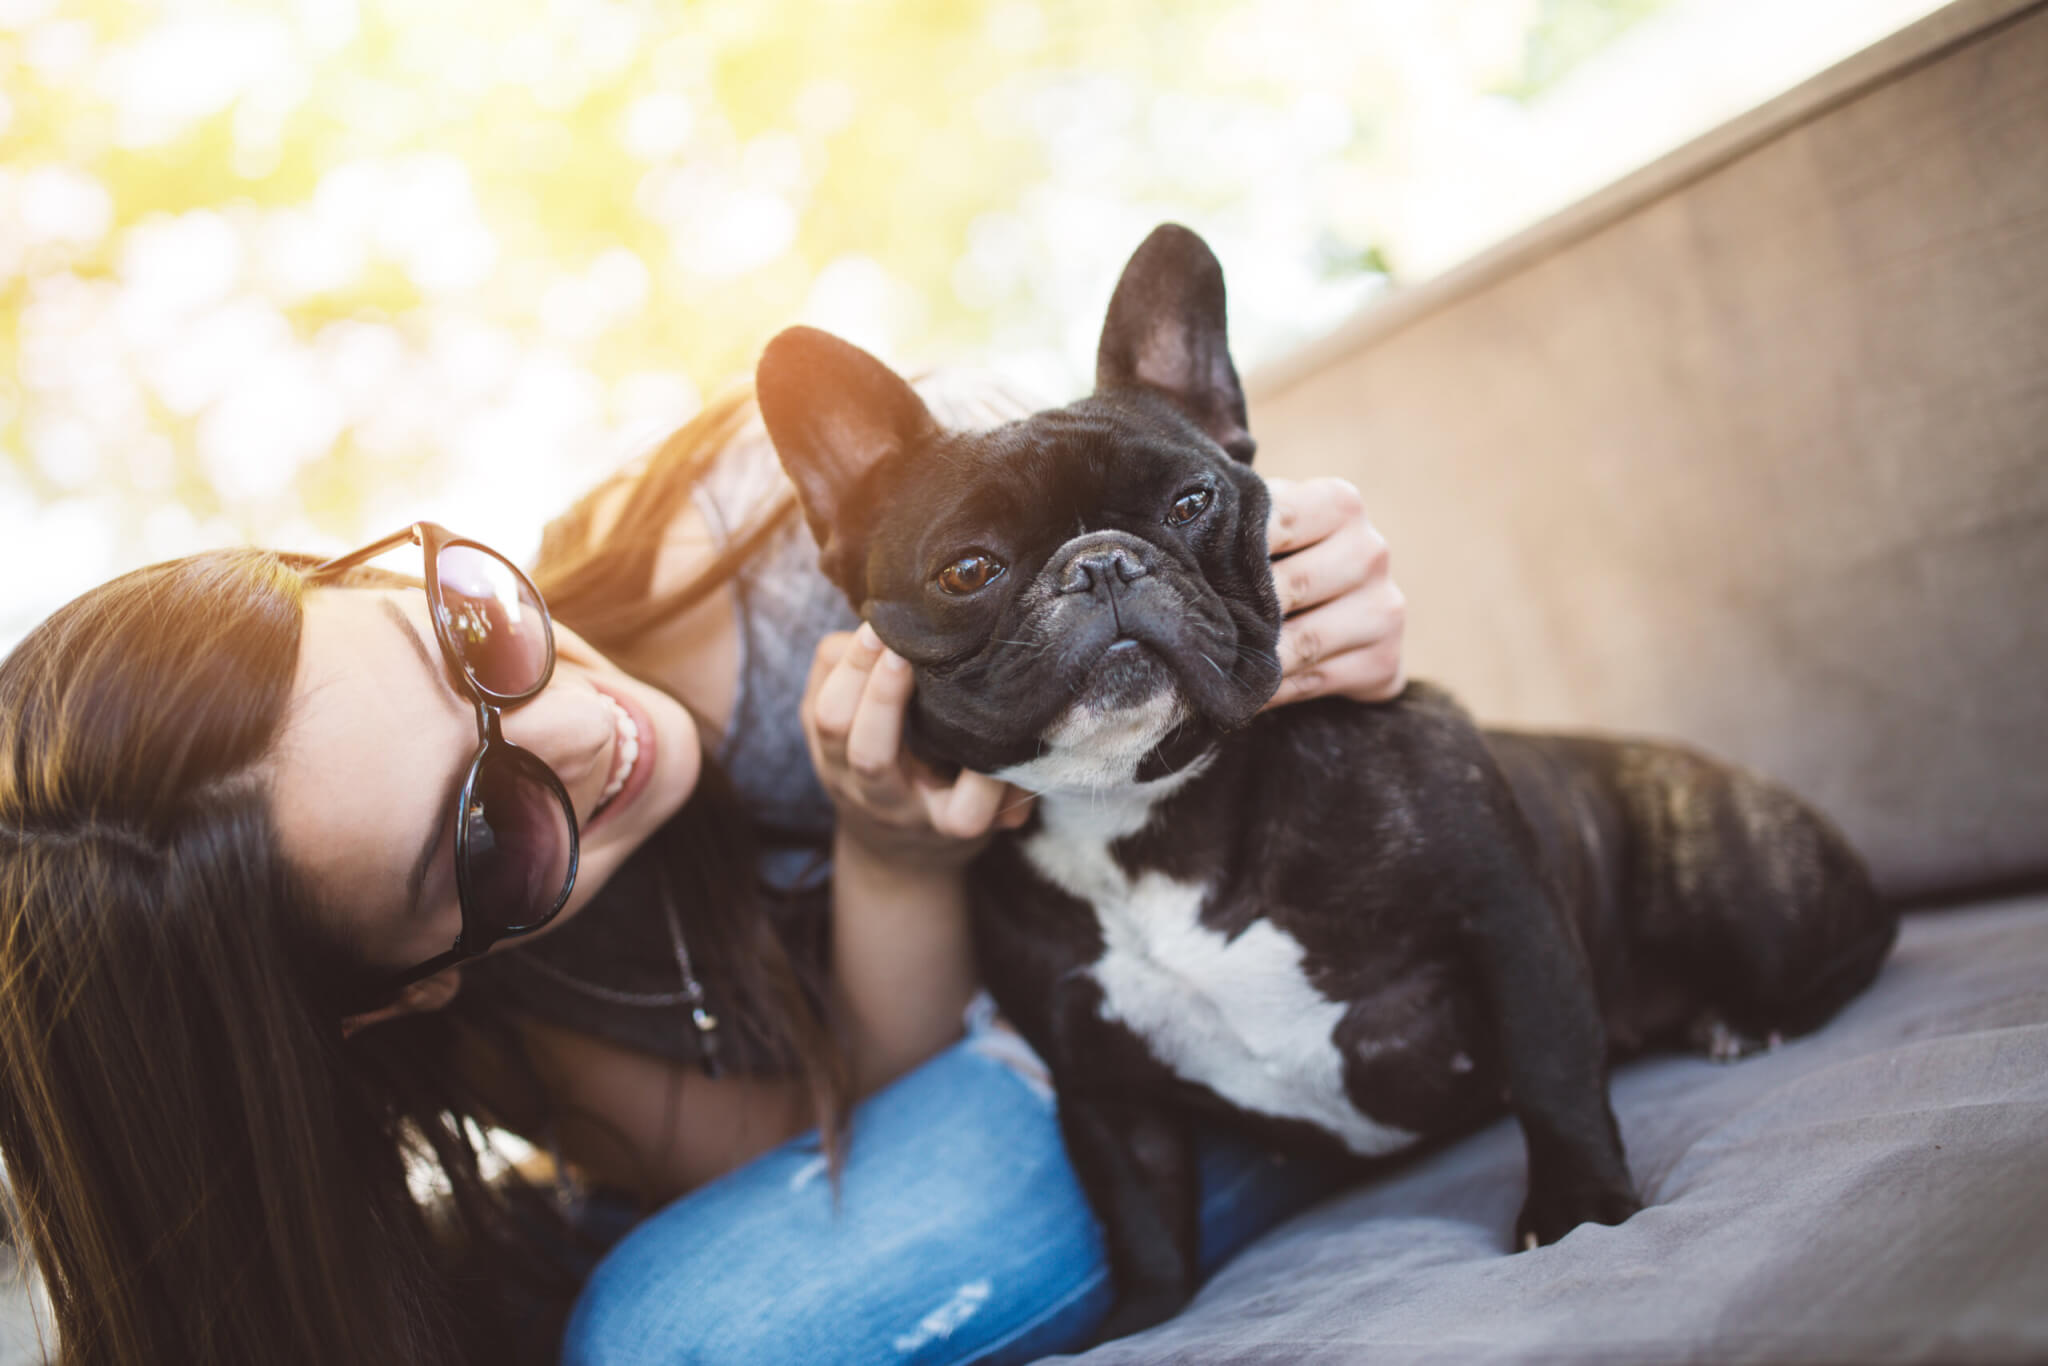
(874, 740)
(1308, 510)
(973, 804)
(836, 696)
(1344, 618)
(1016, 807)
(854, 708)
(1370, 673)
(1351, 556)
(1368, 616)
(1350, 648)
(967, 807)
(822, 659)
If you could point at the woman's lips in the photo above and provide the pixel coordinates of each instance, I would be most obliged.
(633, 759)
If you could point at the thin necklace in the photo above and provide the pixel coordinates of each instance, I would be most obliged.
(701, 1017)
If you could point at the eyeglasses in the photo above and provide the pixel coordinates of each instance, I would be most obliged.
(515, 828)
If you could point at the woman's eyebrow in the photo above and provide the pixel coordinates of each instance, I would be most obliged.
(419, 647)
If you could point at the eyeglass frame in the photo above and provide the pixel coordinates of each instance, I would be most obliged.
(473, 939)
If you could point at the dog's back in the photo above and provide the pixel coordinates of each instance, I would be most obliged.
(1717, 908)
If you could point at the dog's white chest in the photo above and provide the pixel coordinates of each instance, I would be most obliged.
(1238, 1016)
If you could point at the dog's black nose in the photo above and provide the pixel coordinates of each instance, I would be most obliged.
(1104, 565)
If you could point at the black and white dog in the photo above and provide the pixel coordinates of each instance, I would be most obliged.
(1368, 923)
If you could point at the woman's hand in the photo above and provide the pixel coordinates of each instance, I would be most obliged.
(887, 801)
(1345, 617)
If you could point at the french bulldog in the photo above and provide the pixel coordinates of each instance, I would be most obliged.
(1373, 924)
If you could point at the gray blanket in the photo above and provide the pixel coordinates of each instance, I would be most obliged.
(1877, 1192)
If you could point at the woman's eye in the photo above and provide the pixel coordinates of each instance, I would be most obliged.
(1188, 506)
(970, 574)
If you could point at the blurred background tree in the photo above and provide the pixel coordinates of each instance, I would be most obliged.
(297, 273)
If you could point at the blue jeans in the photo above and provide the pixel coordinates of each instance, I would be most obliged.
(959, 1235)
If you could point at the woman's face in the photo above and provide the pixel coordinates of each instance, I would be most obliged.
(381, 734)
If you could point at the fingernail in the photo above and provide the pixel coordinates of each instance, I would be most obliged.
(867, 638)
(894, 662)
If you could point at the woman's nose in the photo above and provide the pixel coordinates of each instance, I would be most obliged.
(568, 730)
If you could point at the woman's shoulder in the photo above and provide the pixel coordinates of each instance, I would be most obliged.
(971, 398)
(743, 482)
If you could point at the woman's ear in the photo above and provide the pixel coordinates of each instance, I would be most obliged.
(431, 993)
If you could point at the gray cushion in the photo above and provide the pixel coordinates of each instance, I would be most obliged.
(1875, 1192)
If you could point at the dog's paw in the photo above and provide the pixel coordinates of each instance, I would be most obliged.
(1723, 1042)
(1136, 1313)
(1547, 1217)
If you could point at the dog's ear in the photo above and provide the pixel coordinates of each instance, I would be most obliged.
(1166, 332)
(837, 416)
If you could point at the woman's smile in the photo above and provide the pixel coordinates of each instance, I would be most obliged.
(635, 755)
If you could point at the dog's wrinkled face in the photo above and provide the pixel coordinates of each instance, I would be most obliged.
(1083, 594)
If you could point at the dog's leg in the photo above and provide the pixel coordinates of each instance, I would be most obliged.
(1554, 1052)
(1135, 1161)
(1138, 1168)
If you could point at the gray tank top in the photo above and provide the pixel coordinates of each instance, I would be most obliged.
(783, 607)
(612, 971)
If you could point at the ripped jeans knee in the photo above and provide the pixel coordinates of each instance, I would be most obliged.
(957, 1233)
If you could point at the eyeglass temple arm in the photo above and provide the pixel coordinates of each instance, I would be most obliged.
(368, 552)
(427, 969)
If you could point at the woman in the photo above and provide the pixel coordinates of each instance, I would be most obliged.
(246, 805)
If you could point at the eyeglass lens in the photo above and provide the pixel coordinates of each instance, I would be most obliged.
(494, 620)
(516, 841)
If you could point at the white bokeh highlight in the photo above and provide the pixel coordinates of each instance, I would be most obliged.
(170, 393)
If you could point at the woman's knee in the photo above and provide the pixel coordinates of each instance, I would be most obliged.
(625, 1317)
(634, 1314)
(955, 1220)
(920, 1293)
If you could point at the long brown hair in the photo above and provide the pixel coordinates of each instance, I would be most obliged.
(596, 572)
(204, 1169)
(197, 1171)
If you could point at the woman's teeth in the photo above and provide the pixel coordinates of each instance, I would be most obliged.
(624, 755)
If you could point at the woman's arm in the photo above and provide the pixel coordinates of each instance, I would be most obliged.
(903, 964)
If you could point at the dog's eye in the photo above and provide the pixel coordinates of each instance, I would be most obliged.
(970, 574)
(1188, 506)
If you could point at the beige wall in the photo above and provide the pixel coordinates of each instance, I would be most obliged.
(1751, 450)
